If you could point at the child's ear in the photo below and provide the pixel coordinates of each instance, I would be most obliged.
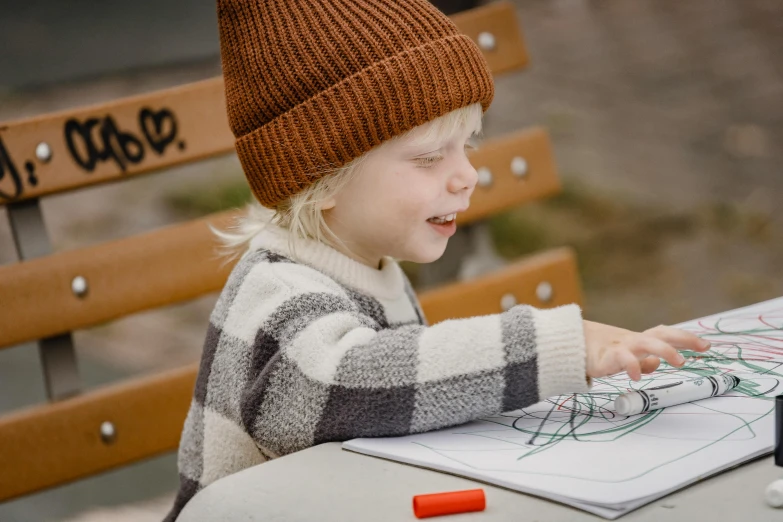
(329, 204)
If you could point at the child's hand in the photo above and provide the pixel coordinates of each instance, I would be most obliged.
(611, 349)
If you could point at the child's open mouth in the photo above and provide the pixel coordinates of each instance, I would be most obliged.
(446, 225)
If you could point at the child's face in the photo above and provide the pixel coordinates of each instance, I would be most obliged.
(390, 206)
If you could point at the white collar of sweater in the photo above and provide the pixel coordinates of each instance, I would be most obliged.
(386, 282)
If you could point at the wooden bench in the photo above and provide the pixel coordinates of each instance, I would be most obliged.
(47, 295)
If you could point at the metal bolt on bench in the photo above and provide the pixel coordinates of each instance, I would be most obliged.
(79, 286)
(108, 432)
(486, 41)
(519, 166)
(544, 291)
(484, 177)
(43, 152)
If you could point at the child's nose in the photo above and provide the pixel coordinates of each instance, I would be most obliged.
(464, 177)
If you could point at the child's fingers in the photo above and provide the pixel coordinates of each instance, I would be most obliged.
(630, 364)
(679, 338)
(652, 346)
(650, 363)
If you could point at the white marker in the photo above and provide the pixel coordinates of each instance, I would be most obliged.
(642, 401)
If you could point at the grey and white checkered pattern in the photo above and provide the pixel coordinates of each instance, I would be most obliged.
(294, 357)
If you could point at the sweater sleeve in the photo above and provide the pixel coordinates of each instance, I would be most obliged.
(330, 372)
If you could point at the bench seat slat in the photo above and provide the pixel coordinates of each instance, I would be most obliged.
(140, 134)
(55, 443)
(178, 263)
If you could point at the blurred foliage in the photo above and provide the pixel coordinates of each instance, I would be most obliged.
(199, 201)
(614, 240)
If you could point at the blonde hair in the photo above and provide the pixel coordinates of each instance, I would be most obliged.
(302, 214)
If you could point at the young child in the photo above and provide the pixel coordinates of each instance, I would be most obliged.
(352, 118)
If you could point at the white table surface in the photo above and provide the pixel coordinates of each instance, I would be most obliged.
(325, 483)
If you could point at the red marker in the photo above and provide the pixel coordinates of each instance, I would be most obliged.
(449, 503)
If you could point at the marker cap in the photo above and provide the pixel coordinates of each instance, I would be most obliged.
(448, 503)
(628, 404)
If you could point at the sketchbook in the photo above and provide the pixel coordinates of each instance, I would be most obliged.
(576, 450)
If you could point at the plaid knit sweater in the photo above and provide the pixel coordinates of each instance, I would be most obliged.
(309, 346)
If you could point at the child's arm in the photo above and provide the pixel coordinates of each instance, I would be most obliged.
(331, 373)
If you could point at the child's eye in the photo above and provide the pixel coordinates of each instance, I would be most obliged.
(428, 161)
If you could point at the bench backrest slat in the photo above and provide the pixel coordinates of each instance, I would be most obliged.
(108, 142)
(532, 147)
(162, 267)
(545, 280)
(509, 52)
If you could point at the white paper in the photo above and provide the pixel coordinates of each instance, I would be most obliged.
(576, 450)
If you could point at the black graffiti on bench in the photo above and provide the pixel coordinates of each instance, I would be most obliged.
(29, 166)
(153, 124)
(7, 167)
(158, 127)
(122, 147)
(97, 140)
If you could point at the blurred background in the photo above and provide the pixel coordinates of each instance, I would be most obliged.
(667, 123)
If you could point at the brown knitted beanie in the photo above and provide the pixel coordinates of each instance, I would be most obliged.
(313, 84)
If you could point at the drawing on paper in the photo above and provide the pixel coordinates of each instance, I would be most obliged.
(577, 447)
(748, 345)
